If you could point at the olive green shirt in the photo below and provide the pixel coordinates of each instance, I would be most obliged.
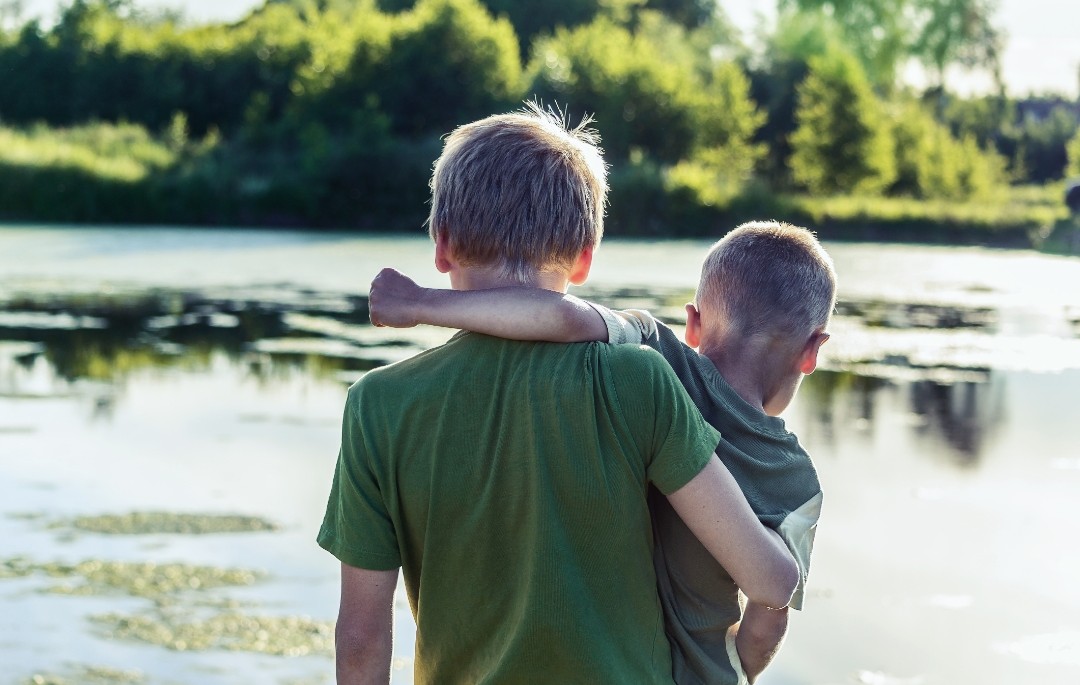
(775, 473)
(509, 480)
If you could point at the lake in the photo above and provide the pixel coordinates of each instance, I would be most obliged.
(169, 413)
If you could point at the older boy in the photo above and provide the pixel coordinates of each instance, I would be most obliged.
(763, 302)
(508, 479)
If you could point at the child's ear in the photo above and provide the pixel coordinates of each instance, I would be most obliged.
(693, 326)
(808, 357)
(444, 260)
(580, 271)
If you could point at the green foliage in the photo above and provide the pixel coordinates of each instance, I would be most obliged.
(876, 31)
(937, 33)
(956, 32)
(330, 112)
(530, 18)
(639, 100)
(1074, 155)
(725, 155)
(1038, 142)
(449, 62)
(689, 13)
(96, 64)
(843, 142)
(774, 83)
(932, 164)
(984, 117)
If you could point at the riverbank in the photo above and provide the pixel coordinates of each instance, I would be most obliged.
(102, 174)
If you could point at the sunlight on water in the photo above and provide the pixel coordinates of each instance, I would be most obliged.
(165, 382)
(1050, 648)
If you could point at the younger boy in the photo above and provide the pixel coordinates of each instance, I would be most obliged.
(763, 303)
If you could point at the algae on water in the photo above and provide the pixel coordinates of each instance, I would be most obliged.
(89, 675)
(142, 579)
(277, 635)
(154, 522)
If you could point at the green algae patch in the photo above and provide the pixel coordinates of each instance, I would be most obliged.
(89, 675)
(16, 567)
(149, 580)
(275, 635)
(156, 522)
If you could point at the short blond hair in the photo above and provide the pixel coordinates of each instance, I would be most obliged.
(768, 277)
(520, 191)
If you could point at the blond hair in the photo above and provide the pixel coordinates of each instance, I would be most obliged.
(768, 277)
(521, 191)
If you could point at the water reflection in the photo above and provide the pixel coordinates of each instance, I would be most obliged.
(962, 415)
(95, 342)
(105, 338)
(956, 418)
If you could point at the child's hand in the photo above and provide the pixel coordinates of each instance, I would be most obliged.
(393, 300)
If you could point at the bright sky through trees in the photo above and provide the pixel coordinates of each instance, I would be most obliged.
(1042, 53)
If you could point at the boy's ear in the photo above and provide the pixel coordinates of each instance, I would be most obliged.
(808, 357)
(444, 259)
(580, 271)
(693, 326)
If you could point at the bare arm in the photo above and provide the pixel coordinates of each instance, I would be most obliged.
(364, 633)
(523, 313)
(716, 511)
(760, 634)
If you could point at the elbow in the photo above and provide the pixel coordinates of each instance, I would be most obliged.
(579, 322)
(358, 650)
(776, 583)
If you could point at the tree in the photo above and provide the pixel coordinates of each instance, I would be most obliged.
(775, 78)
(878, 32)
(937, 33)
(957, 32)
(843, 142)
(449, 62)
(639, 99)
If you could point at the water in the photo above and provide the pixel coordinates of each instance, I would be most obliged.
(203, 372)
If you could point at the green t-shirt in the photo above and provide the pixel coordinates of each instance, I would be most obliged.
(509, 482)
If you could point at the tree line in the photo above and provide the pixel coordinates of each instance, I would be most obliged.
(330, 112)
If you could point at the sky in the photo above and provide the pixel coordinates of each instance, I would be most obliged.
(1042, 51)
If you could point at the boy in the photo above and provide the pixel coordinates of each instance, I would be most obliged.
(763, 303)
(506, 479)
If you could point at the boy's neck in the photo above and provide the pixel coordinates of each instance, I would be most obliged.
(748, 365)
(486, 278)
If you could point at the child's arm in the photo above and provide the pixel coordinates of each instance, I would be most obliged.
(521, 313)
(758, 637)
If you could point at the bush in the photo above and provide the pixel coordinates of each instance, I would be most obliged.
(932, 164)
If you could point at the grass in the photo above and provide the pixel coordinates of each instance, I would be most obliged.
(124, 152)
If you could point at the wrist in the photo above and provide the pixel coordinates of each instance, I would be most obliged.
(425, 308)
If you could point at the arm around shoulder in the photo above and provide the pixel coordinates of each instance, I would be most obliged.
(714, 508)
(514, 313)
(364, 633)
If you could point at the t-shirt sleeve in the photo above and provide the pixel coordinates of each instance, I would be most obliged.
(639, 326)
(677, 441)
(356, 527)
(797, 530)
(624, 327)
